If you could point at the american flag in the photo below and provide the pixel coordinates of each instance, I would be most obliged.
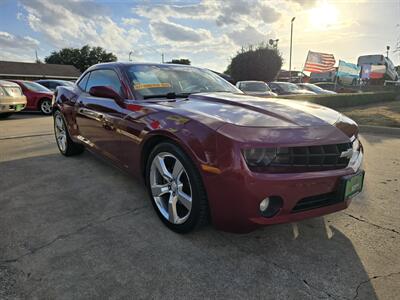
(319, 62)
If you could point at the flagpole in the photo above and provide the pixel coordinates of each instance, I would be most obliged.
(302, 70)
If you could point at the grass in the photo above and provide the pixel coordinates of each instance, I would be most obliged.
(378, 114)
(347, 100)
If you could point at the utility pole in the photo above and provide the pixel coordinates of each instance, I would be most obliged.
(387, 51)
(130, 53)
(162, 57)
(290, 55)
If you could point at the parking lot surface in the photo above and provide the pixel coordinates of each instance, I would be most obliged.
(79, 228)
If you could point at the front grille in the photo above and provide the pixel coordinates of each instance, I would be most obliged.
(316, 202)
(312, 157)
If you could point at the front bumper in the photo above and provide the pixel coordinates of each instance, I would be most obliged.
(235, 195)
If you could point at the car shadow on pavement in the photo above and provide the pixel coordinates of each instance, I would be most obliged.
(80, 228)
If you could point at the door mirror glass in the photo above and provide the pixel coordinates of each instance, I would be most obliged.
(105, 92)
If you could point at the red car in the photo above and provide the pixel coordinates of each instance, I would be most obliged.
(206, 151)
(38, 97)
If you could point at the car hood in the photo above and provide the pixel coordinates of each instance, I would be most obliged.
(246, 110)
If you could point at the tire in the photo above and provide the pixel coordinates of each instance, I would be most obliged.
(5, 115)
(64, 142)
(178, 190)
(45, 106)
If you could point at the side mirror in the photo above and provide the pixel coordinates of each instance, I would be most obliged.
(105, 92)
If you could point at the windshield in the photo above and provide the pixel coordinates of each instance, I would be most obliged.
(67, 83)
(254, 87)
(152, 81)
(288, 87)
(312, 87)
(36, 87)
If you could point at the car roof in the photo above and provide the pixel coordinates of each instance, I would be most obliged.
(252, 81)
(8, 83)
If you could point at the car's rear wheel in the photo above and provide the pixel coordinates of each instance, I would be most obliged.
(5, 115)
(45, 106)
(176, 189)
(66, 146)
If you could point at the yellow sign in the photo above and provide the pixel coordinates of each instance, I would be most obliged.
(140, 86)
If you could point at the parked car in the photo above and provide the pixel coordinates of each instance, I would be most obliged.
(38, 97)
(287, 88)
(331, 86)
(52, 84)
(204, 149)
(255, 88)
(388, 71)
(11, 99)
(314, 88)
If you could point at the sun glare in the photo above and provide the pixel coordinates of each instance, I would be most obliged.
(323, 16)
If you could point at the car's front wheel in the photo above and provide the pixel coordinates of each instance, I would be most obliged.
(45, 107)
(176, 189)
(65, 144)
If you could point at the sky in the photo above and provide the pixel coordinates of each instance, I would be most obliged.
(207, 32)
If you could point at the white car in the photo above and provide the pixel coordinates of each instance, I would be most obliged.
(255, 88)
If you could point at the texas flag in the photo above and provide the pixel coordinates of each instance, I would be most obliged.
(372, 71)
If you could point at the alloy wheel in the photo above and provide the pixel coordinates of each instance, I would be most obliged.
(171, 188)
(60, 132)
(45, 107)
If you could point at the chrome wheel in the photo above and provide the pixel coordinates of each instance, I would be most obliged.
(45, 107)
(60, 132)
(170, 188)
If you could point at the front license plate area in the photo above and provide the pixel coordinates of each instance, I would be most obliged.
(352, 185)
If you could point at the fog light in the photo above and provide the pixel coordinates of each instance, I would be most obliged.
(264, 204)
(270, 206)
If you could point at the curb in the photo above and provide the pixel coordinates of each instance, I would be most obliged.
(380, 130)
(24, 136)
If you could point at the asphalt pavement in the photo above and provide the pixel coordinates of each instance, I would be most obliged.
(78, 228)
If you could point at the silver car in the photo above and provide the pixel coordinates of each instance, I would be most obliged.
(11, 98)
(255, 88)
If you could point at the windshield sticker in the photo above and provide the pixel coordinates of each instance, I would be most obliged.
(140, 86)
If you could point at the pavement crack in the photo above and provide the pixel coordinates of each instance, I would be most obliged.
(372, 224)
(308, 286)
(370, 279)
(67, 235)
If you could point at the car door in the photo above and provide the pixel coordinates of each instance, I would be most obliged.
(97, 117)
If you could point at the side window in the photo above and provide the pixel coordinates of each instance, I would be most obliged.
(82, 83)
(52, 85)
(44, 83)
(105, 78)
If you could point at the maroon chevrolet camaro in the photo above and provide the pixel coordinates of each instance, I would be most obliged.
(207, 152)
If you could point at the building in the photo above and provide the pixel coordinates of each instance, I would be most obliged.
(35, 71)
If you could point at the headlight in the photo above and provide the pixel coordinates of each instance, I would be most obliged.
(259, 157)
(2, 93)
(356, 145)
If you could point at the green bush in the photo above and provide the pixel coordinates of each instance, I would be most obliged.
(346, 100)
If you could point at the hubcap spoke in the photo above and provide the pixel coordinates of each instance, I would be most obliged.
(177, 171)
(162, 168)
(185, 199)
(172, 213)
(160, 189)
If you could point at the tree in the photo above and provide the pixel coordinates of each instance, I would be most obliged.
(80, 58)
(180, 61)
(255, 63)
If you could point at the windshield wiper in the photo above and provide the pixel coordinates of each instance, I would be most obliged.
(171, 95)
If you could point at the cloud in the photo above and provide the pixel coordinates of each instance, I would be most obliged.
(130, 21)
(12, 42)
(15, 47)
(247, 36)
(175, 32)
(75, 23)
